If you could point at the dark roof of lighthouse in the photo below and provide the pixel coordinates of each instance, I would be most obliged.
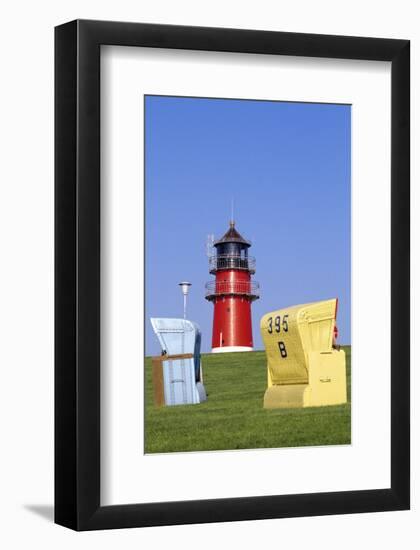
(232, 236)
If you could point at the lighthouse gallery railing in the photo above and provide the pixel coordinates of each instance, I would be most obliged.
(229, 261)
(250, 289)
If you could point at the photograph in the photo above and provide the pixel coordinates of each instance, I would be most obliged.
(209, 297)
(247, 238)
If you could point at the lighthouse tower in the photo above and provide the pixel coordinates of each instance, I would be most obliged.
(232, 293)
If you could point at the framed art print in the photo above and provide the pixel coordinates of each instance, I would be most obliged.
(232, 275)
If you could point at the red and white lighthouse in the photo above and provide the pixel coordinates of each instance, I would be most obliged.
(232, 293)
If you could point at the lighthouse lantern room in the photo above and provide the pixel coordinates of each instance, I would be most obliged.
(232, 292)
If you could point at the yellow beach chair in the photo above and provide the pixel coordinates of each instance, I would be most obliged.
(304, 367)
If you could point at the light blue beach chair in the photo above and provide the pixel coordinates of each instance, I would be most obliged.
(182, 378)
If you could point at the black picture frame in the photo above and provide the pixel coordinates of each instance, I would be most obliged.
(77, 274)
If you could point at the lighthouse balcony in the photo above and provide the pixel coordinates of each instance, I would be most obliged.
(247, 289)
(230, 261)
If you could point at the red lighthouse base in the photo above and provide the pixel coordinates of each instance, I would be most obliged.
(232, 329)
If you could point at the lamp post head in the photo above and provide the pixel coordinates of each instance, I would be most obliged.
(185, 287)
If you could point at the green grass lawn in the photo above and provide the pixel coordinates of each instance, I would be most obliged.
(233, 416)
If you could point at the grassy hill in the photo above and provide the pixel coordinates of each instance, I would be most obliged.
(234, 418)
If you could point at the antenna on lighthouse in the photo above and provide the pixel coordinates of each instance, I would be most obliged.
(232, 218)
(185, 287)
(210, 246)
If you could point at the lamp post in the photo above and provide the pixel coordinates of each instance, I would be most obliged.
(185, 287)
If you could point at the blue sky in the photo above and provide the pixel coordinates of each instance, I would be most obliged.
(287, 167)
